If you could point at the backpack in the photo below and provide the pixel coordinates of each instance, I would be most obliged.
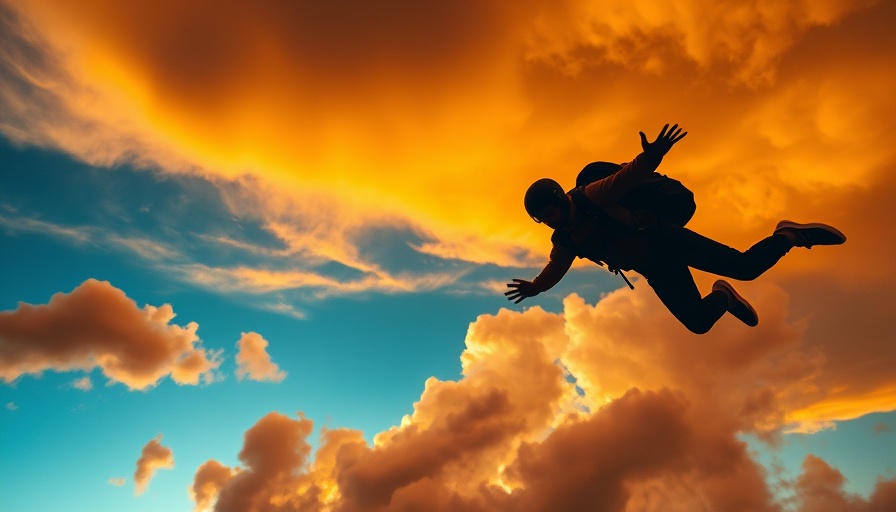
(664, 198)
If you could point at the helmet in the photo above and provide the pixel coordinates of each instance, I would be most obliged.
(542, 196)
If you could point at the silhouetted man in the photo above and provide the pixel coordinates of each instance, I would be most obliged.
(590, 222)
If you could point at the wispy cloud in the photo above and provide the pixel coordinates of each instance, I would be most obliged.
(98, 236)
(262, 281)
(84, 384)
(24, 224)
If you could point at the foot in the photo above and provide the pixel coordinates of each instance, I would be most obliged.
(807, 235)
(737, 305)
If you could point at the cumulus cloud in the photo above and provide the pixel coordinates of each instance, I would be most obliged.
(210, 478)
(154, 457)
(274, 450)
(820, 487)
(253, 361)
(98, 326)
(612, 406)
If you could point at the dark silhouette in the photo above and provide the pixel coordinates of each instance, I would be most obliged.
(601, 220)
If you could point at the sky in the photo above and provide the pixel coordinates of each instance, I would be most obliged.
(253, 256)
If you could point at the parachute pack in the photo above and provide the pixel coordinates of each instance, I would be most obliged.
(663, 197)
(665, 200)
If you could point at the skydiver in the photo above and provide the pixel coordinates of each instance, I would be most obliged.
(591, 222)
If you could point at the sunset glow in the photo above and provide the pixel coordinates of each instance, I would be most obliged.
(253, 257)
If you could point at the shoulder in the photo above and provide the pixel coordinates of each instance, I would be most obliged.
(561, 238)
(580, 199)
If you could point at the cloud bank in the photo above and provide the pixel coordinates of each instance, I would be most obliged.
(610, 407)
(308, 108)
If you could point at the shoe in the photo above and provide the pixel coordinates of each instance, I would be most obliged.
(737, 305)
(807, 235)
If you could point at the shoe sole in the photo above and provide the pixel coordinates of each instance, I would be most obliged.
(728, 288)
(787, 224)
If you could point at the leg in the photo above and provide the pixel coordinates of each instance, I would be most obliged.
(695, 250)
(675, 287)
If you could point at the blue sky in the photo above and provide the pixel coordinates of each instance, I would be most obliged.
(357, 362)
(353, 197)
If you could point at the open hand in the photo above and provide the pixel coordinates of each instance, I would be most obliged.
(664, 141)
(520, 290)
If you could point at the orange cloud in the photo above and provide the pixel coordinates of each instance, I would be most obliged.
(210, 478)
(98, 326)
(743, 41)
(435, 120)
(154, 457)
(820, 487)
(254, 362)
(274, 450)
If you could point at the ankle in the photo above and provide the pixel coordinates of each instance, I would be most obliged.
(731, 301)
(789, 234)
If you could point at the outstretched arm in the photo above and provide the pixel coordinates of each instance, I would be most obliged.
(612, 188)
(561, 260)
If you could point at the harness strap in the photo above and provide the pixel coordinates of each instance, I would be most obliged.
(590, 210)
(622, 274)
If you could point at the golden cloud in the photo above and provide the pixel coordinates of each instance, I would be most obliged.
(334, 119)
(745, 40)
(612, 406)
(98, 326)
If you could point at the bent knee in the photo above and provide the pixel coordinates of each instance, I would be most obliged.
(699, 327)
(697, 324)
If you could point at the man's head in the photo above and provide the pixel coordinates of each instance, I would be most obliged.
(546, 202)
